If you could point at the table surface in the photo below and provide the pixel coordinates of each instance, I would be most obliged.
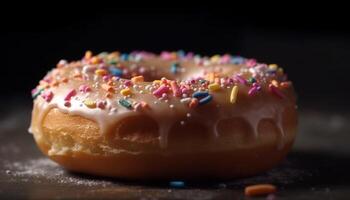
(317, 168)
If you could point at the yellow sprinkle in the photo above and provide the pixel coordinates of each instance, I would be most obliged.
(137, 79)
(275, 83)
(88, 54)
(215, 58)
(100, 72)
(90, 103)
(125, 92)
(214, 87)
(273, 66)
(157, 82)
(233, 96)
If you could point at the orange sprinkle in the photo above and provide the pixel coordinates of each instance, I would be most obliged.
(193, 103)
(108, 88)
(275, 83)
(137, 79)
(54, 83)
(101, 72)
(64, 80)
(259, 189)
(95, 60)
(109, 95)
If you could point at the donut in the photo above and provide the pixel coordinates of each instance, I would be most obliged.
(173, 115)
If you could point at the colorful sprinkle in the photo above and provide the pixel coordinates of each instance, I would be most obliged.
(125, 92)
(108, 88)
(67, 103)
(36, 92)
(101, 104)
(203, 97)
(177, 184)
(47, 96)
(101, 72)
(70, 94)
(193, 103)
(252, 91)
(213, 87)
(89, 103)
(160, 91)
(259, 189)
(125, 103)
(175, 88)
(116, 71)
(137, 79)
(240, 79)
(233, 95)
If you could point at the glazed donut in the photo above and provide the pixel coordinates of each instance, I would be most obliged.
(173, 115)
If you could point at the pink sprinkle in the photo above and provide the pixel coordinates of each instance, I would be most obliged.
(252, 91)
(175, 88)
(276, 91)
(70, 94)
(128, 83)
(251, 62)
(105, 78)
(225, 59)
(240, 79)
(67, 103)
(160, 91)
(48, 95)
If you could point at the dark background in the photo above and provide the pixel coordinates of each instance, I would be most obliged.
(312, 45)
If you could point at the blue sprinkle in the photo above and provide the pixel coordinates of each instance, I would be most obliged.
(205, 100)
(115, 71)
(125, 103)
(173, 68)
(181, 53)
(237, 60)
(204, 97)
(200, 94)
(124, 57)
(177, 184)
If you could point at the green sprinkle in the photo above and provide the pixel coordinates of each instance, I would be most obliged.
(37, 93)
(112, 62)
(125, 103)
(251, 80)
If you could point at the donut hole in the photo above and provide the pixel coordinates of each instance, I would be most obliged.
(135, 132)
(235, 131)
(190, 136)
